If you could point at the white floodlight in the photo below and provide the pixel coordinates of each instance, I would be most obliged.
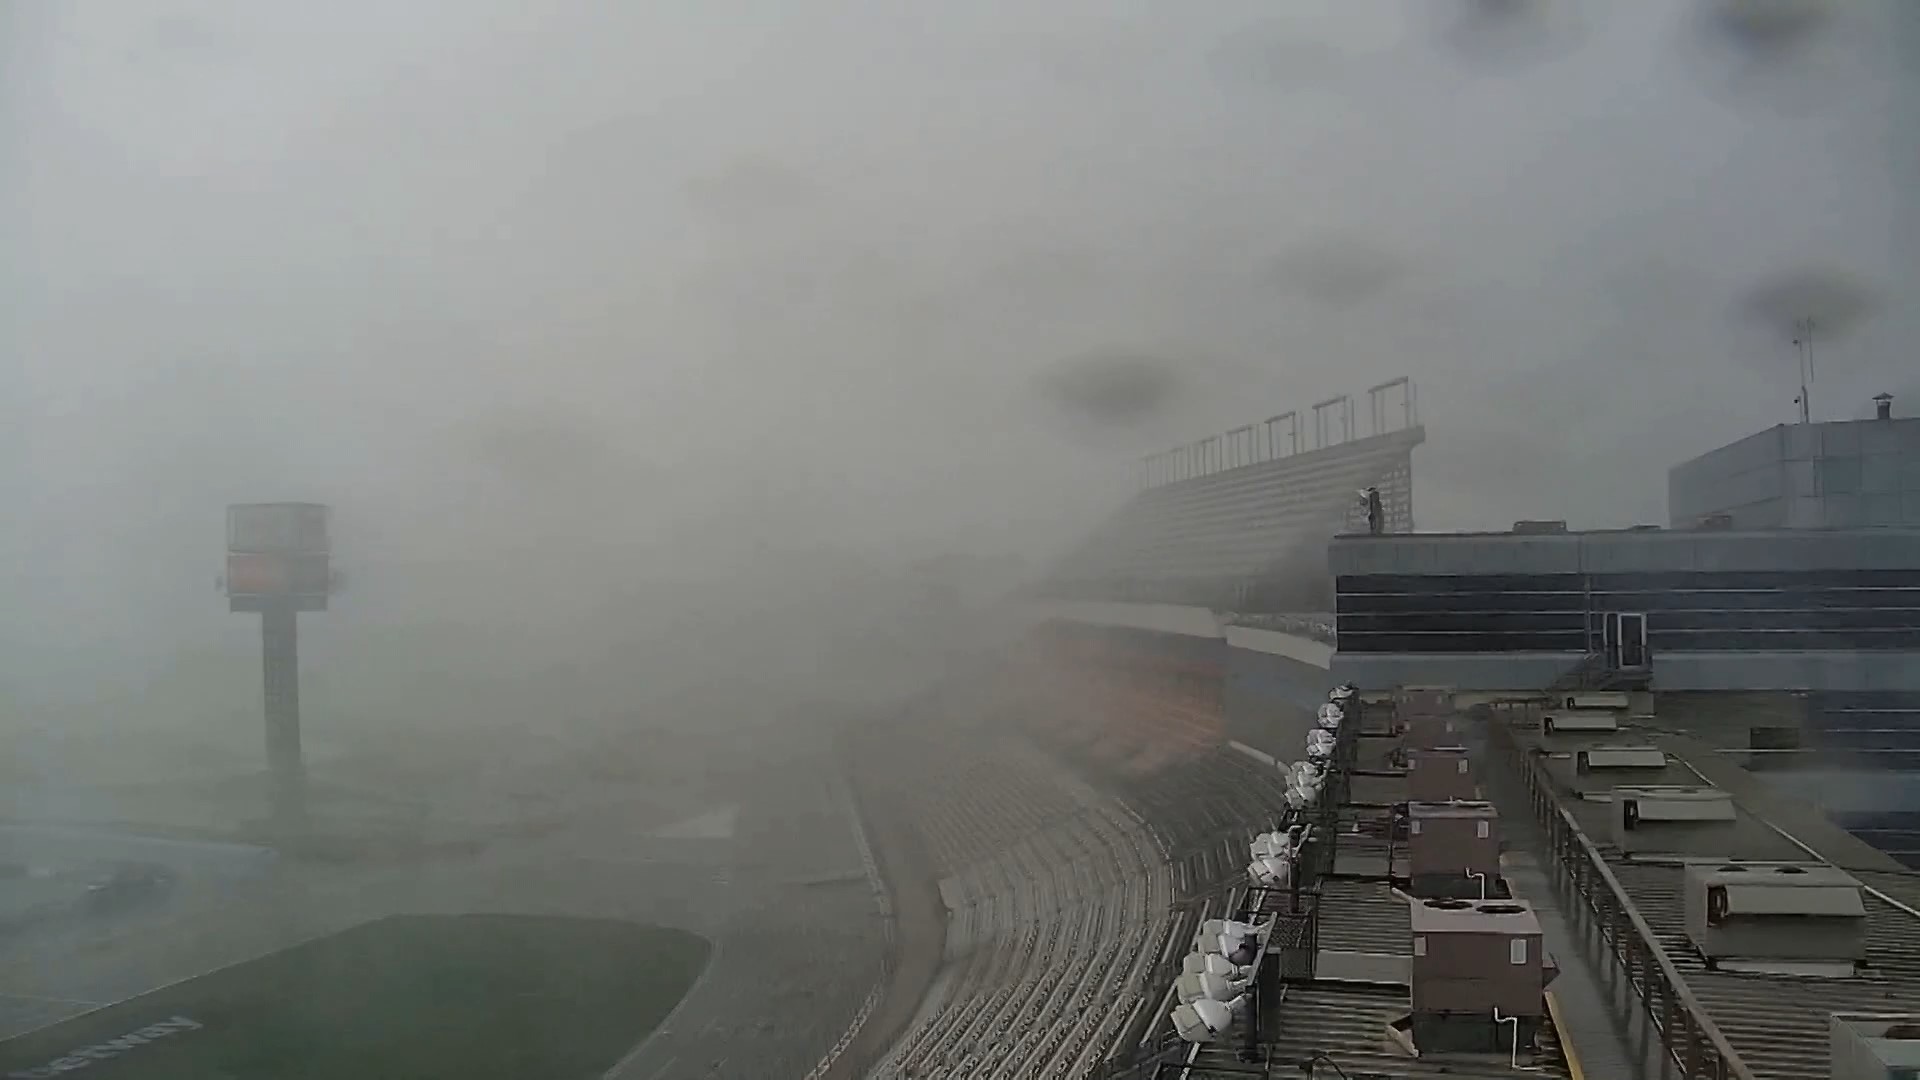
(1204, 987)
(1211, 964)
(1201, 1022)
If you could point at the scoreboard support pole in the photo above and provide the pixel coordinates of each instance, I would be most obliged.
(280, 677)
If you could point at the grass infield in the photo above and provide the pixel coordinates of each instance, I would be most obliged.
(460, 997)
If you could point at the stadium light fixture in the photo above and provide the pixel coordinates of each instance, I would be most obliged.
(1320, 743)
(1205, 1021)
(1204, 987)
(1197, 963)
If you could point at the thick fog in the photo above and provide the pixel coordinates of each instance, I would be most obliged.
(600, 324)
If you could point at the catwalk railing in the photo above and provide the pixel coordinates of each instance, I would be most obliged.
(1280, 436)
(1687, 1033)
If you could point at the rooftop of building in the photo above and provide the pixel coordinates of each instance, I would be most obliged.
(1774, 1024)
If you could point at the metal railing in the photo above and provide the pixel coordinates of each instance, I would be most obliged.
(1687, 1033)
(1279, 436)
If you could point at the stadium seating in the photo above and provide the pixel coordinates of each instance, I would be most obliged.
(1205, 540)
(1063, 894)
(1057, 896)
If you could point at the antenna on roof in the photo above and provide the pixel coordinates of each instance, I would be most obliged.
(1803, 350)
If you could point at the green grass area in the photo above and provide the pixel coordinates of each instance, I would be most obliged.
(466, 997)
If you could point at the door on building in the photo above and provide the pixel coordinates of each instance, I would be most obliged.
(1627, 640)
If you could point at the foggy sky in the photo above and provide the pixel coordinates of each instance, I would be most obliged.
(549, 297)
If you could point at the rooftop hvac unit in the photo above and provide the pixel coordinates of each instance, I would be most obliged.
(1598, 699)
(1621, 756)
(1425, 701)
(1579, 721)
(1671, 819)
(1539, 528)
(1453, 849)
(1472, 962)
(1439, 775)
(1875, 1046)
(1775, 911)
(1426, 732)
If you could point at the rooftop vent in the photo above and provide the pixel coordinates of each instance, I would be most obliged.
(1671, 820)
(1598, 699)
(1875, 1046)
(1883, 406)
(1775, 912)
(1473, 957)
(1580, 721)
(1621, 756)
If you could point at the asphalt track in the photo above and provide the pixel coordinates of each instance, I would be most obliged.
(793, 960)
(920, 931)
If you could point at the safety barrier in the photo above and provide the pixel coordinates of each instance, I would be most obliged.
(1687, 1033)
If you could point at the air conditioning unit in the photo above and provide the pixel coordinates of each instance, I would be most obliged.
(1775, 911)
(1430, 731)
(1453, 849)
(1875, 1046)
(1439, 775)
(1471, 961)
(1598, 699)
(1425, 700)
(1671, 819)
(1579, 722)
(1620, 756)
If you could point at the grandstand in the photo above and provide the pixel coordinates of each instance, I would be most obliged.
(1229, 528)
(1076, 815)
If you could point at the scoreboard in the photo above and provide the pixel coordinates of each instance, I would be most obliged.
(278, 555)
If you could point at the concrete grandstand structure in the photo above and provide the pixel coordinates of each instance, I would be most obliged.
(1238, 531)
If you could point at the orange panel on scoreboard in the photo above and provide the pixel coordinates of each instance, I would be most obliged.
(256, 574)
